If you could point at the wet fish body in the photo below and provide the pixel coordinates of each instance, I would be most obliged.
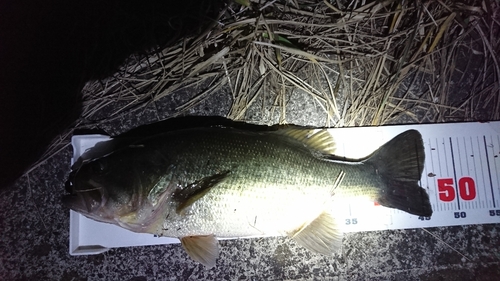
(215, 181)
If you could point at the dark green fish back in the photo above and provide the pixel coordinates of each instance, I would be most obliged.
(263, 156)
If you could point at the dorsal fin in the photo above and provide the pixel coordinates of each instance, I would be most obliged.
(319, 140)
(191, 122)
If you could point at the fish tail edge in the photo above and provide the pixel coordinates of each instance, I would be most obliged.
(399, 163)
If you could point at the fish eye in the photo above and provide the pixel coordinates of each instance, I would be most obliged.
(99, 166)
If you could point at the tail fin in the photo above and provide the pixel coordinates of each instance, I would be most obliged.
(399, 163)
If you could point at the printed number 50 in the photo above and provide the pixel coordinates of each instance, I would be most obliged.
(466, 189)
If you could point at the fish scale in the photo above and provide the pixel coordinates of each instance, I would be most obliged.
(199, 220)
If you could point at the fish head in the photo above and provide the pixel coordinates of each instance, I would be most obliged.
(116, 189)
(97, 190)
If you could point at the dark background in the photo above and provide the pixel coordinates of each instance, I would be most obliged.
(49, 49)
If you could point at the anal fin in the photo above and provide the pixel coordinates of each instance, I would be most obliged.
(322, 235)
(203, 249)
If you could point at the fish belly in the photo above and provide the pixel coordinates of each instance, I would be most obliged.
(252, 211)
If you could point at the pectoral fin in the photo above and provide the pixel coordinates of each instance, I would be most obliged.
(322, 235)
(197, 190)
(203, 249)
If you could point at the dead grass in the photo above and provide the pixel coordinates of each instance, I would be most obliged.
(363, 62)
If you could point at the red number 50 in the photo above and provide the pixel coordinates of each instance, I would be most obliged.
(466, 189)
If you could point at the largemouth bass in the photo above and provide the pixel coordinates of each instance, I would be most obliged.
(227, 179)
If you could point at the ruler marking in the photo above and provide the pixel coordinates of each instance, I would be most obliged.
(446, 158)
(468, 159)
(475, 167)
(461, 172)
(455, 175)
(482, 169)
(496, 167)
(466, 156)
(440, 167)
(465, 204)
(459, 157)
(434, 171)
(489, 172)
(439, 158)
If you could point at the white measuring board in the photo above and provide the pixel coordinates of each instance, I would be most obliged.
(461, 175)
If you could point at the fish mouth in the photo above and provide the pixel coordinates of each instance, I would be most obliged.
(75, 203)
(84, 198)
